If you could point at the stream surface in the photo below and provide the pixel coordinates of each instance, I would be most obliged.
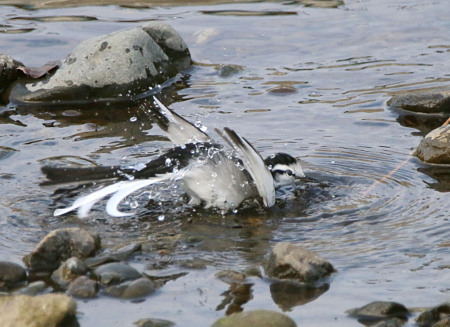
(314, 81)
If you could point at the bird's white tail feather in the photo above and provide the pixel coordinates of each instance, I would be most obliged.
(120, 190)
(117, 197)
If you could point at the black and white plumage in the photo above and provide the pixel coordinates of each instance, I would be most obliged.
(210, 173)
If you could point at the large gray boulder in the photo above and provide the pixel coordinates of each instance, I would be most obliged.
(111, 67)
(435, 147)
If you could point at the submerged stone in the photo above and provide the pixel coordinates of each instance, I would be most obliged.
(111, 67)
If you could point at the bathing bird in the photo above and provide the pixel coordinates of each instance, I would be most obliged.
(213, 175)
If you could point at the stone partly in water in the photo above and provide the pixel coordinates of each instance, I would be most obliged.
(430, 101)
(290, 261)
(256, 318)
(83, 287)
(37, 311)
(115, 272)
(132, 289)
(152, 322)
(392, 322)
(112, 67)
(69, 270)
(380, 310)
(120, 255)
(32, 288)
(11, 275)
(437, 316)
(435, 147)
(9, 71)
(60, 245)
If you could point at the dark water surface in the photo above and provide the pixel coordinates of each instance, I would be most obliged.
(314, 82)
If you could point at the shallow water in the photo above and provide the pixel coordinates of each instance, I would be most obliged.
(388, 237)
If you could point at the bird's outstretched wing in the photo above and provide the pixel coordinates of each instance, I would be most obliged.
(253, 163)
(178, 129)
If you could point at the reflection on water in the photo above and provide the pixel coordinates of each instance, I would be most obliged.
(307, 80)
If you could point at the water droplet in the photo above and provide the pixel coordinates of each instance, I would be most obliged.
(161, 218)
(133, 119)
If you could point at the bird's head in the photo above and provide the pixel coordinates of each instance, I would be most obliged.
(284, 168)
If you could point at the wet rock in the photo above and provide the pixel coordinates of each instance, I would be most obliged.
(432, 100)
(69, 270)
(256, 318)
(32, 288)
(380, 310)
(36, 311)
(111, 67)
(11, 275)
(9, 71)
(288, 294)
(60, 245)
(435, 147)
(439, 314)
(442, 323)
(151, 322)
(231, 276)
(116, 272)
(121, 254)
(289, 261)
(132, 289)
(282, 90)
(229, 70)
(83, 287)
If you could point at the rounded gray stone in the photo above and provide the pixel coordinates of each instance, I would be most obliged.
(111, 67)
(11, 274)
(116, 272)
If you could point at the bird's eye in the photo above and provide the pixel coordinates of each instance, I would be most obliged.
(289, 172)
